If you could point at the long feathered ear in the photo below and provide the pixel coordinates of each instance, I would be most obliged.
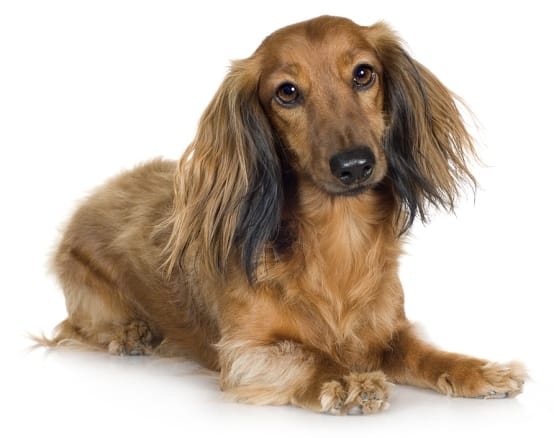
(228, 188)
(426, 143)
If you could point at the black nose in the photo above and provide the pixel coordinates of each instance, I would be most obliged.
(353, 166)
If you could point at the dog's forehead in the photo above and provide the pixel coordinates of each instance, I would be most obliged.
(318, 28)
(314, 43)
(317, 35)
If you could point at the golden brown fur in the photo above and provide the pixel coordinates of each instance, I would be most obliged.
(251, 256)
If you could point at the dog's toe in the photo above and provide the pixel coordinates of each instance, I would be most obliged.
(333, 395)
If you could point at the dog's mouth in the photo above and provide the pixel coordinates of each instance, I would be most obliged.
(348, 191)
(354, 191)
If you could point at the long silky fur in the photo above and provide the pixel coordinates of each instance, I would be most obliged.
(426, 143)
(228, 192)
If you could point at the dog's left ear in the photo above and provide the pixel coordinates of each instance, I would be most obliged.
(228, 188)
(426, 142)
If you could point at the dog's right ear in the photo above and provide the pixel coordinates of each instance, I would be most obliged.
(228, 188)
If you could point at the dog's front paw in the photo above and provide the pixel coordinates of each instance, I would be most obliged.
(503, 380)
(358, 393)
(333, 396)
(491, 380)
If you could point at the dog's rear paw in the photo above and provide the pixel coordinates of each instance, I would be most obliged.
(134, 339)
(358, 393)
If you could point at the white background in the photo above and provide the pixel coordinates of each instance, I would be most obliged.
(90, 88)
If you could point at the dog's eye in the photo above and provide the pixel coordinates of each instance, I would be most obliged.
(287, 94)
(363, 76)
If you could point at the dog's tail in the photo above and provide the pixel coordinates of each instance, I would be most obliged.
(65, 335)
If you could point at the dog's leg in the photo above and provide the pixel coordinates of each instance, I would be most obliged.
(133, 338)
(99, 314)
(287, 373)
(418, 363)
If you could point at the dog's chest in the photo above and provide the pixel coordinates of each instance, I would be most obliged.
(338, 302)
(346, 324)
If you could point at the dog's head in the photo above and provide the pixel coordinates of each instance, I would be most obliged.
(321, 86)
(341, 106)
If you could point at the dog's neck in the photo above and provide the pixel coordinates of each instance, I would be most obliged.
(320, 209)
(337, 226)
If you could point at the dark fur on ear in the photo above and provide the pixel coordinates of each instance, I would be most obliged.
(260, 216)
(228, 188)
(426, 143)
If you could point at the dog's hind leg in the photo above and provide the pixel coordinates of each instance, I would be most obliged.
(134, 338)
(99, 315)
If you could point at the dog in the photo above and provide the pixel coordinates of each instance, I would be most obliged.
(269, 252)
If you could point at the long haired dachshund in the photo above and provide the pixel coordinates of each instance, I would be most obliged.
(269, 252)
